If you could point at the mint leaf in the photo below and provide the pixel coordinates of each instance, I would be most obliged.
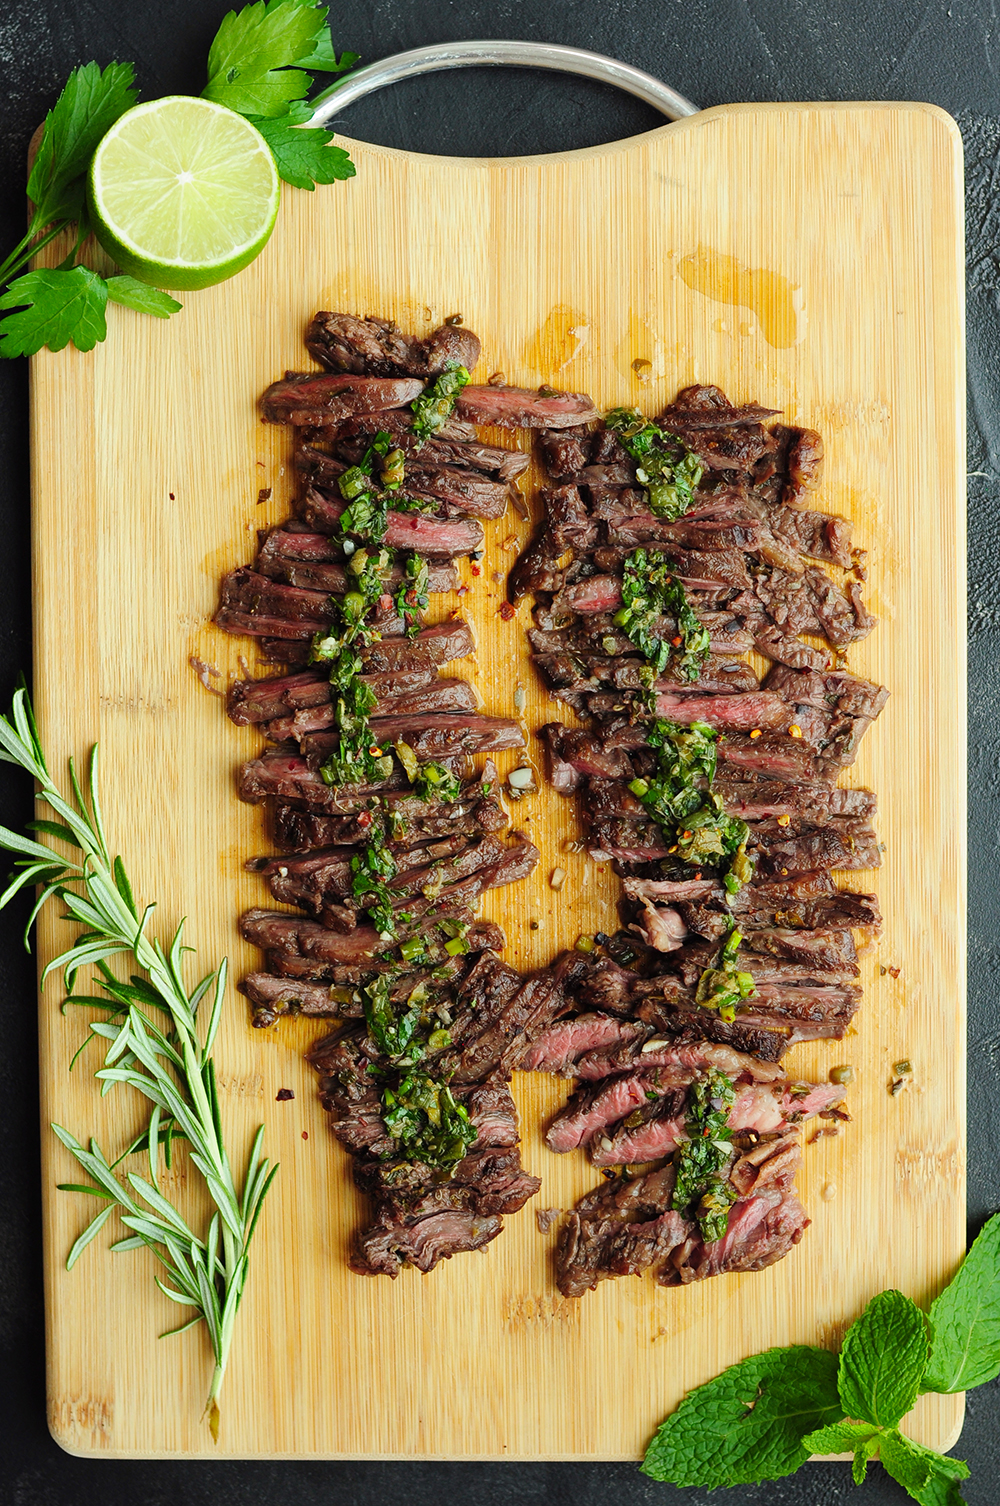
(858, 1438)
(862, 1454)
(87, 108)
(965, 1319)
(941, 1485)
(907, 1465)
(303, 157)
(840, 1437)
(139, 295)
(748, 1424)
(61, 306)
(882, 1360)
(250, 62)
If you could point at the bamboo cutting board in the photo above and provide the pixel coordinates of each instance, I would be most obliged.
(807, 256)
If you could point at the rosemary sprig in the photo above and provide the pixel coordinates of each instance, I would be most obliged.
(156, 1042)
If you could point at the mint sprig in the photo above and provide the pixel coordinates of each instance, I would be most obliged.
(883, 1359)
(965, 1321)
(748, 1424)
(752, 1422)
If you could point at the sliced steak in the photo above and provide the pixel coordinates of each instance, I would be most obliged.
(377, 347)
(437, 538)
(395, 1239)
(524, 408)
(560, 1045)
(354, 435)
(445, 735)
(307, 399)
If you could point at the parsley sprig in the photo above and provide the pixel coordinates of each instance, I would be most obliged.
(260, 65)
(158, 1034)
(763, 1418)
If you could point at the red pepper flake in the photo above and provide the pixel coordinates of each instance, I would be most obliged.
(794, 731)
(893, 972)
(462, 591)
(305, 1134)
(506, 611)
(283, 1095)
(676, 642)
(755, 732)
(475, 570)
(784, 820)
(365, 820)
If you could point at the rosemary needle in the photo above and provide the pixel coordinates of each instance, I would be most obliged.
(158, 1041)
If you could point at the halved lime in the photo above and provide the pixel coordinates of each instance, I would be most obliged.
(183, 192)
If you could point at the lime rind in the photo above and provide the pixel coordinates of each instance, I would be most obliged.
(183, 192)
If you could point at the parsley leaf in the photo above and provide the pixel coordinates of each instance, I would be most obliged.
(250, 65)
(303, 157)
(883, 1359)
(965, 1320)
(325, 60)
(87, 108)
(864, 1451)
(133, 294)
(907, 1464)
(748, 1424)
(56, 307)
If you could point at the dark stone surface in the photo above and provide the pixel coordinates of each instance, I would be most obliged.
(714, 51)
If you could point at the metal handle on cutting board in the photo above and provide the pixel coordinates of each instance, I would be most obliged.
(405, 65)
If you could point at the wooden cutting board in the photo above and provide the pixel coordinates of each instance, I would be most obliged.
(808, 256)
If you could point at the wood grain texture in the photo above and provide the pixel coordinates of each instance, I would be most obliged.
(148, 459)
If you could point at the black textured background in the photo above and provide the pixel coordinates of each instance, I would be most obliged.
(714, 51)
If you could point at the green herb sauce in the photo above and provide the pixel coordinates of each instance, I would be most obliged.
(697, 830)
(412, 595)
(703, 1189)
(435, 405)
(650, 589)
(667, 470)
(426, 1122)
(723, 986)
